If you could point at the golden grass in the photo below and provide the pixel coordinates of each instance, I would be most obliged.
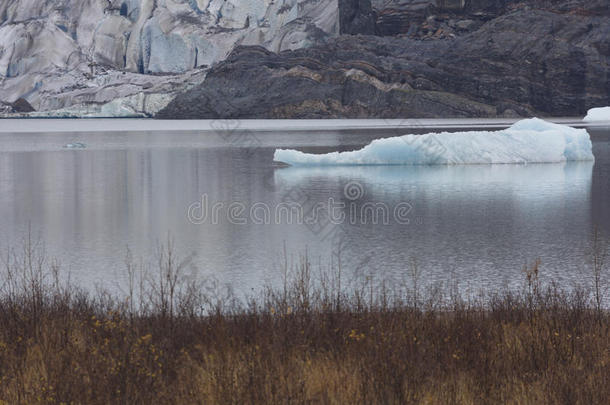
(554, 356)
(301, 345)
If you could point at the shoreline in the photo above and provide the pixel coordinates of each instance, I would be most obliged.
(182, 343)
(38, 125)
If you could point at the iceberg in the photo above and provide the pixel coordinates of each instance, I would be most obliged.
(75, 145)
(527, 141)
(598, 114)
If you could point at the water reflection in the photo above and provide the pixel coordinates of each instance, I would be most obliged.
(479, 223)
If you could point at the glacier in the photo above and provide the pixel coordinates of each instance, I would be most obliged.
(527, 141)
(59, 54)
(598, 114)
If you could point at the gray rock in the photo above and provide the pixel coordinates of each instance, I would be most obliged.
(451, 5)
(22, 106)
(466, 25)
(343, 79)
(402, 16)
(356, 17)
(524, 62)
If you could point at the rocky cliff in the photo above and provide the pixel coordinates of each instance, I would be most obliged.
(444, 59)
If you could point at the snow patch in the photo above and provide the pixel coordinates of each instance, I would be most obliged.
(527, 141)
(598, 114)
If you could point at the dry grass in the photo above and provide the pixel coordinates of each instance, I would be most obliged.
(296, 344)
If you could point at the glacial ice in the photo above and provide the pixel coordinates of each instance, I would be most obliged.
(598, 114)
(47, 46)
(527, 141)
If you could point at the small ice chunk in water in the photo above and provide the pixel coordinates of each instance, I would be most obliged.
(598, 114)
(527, 141)
(75, 145)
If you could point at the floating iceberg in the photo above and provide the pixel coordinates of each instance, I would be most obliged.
(598, 114)
(527, 141)
(75, 145)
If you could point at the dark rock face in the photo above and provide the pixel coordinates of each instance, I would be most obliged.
(527, 61)
(22, 106)
(356, 17)
(438, 18)
(342, 79)
(19, 106)
(401, 17)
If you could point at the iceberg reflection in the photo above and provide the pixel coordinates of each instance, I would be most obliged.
(534, 181)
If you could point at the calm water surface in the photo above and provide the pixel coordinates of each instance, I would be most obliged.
(477, 224)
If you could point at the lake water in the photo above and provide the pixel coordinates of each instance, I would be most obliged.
(227, 208)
